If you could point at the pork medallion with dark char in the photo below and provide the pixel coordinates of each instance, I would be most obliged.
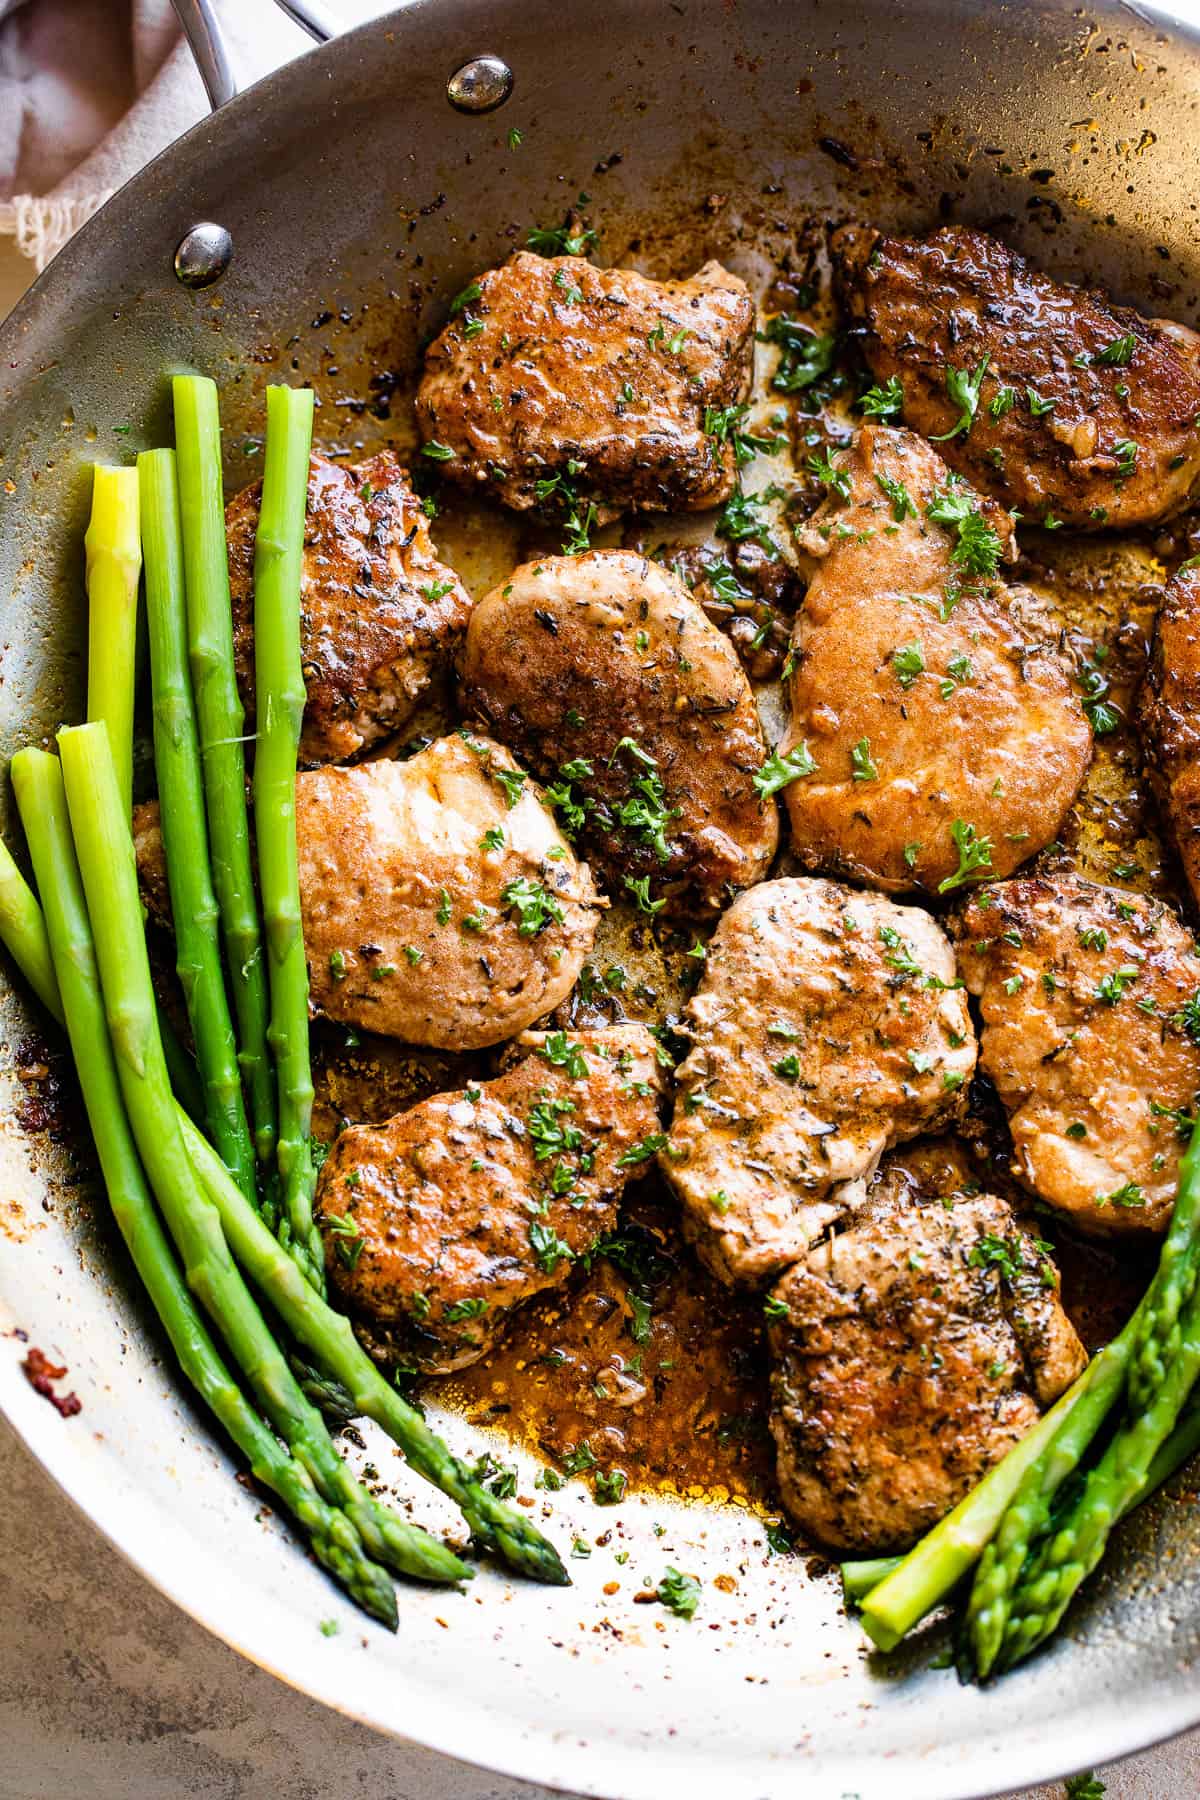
(1052, 398)
(605, 676)
(931, 704)
(1168, 712)
(910, 1352)
(556, 380)
(441, 1222)
(1090, 1000)
(378, 609)
(440, 902)
(829, 1025)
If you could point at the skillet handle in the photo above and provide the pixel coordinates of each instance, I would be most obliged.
(206, 40)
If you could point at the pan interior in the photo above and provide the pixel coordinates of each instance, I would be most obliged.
(359, 202)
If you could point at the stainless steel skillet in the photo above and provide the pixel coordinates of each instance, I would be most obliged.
(358, 200)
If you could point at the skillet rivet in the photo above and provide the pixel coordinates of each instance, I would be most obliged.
(480, 85)
(203, 255)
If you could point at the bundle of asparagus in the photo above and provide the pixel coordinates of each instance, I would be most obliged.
(1037, 1524)
(237, 1202)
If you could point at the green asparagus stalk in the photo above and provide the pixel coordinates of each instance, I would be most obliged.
(279, 702)
(331, 1342)
(938, 1563)
(23, 932)
(105, 854)
(1156, 1338)
(1119, 1480)
(38, 780)
(221, 722)
(114, 561)
(184, 832)
(331, 1339)
(858, 1578)
(1154, 1326)
(1028, 1512)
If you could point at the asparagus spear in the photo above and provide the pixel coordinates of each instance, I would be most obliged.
(114, 561)
(221, 721)
(185, 835)
(23, 932)
(928, 1573)
(330, 1340)
(330, 1337)
(279, 702)
(858, 1578)
(105, 854)
(1156, 1338)
(1071, 1551)
(39, 785)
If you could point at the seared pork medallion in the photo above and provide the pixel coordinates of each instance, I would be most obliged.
(441, 1222)
(936, 734)
(604, 675)
(585, 391)
(378, 608)
(1052, 398)
(1090, 999)
(441, 904)
(910, 1352)
(829, 1024)
(1169, 716)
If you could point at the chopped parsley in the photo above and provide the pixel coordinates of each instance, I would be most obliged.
(492, 839)
(681, 1593)
(908, 663)
(443, 912)
(977, 547)
(807, 355)
(775, 1308)
(560, 240)
(1112, 987)
(883, 402)
(960, 672)
(563, 1054)
(640, 1153)
(639, 887)
(831, 475)
(1038, 407)
(963, 385)
(787, 1068)
(337, 965)
(863, 766)
(974, 856)
(1118, 354)
(437, 452)
(548, 1248)
(723, 424)
(779, 771)
(903, 506)
(535, 907)
(741, 520)
(512, 781)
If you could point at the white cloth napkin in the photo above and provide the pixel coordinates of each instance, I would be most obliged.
(92, 89)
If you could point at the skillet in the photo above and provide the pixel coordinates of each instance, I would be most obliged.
(358, 201)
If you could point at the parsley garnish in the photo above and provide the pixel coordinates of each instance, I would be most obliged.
(908, 663)
(1119, 353)
(640, 1153)
(974, 855)
(563, 1054)
(437, 452)
(902, 501)
(1112, 987)
(741, 520)
(560, 240)
(512, 781)
(977, 547)
(860, 757)
(534, 905)
(778, 771)
(834, 476)
(807, 355)
(883, 402)
(639, 887)
(548, 1248)
(963, 387)
(681, 1593)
